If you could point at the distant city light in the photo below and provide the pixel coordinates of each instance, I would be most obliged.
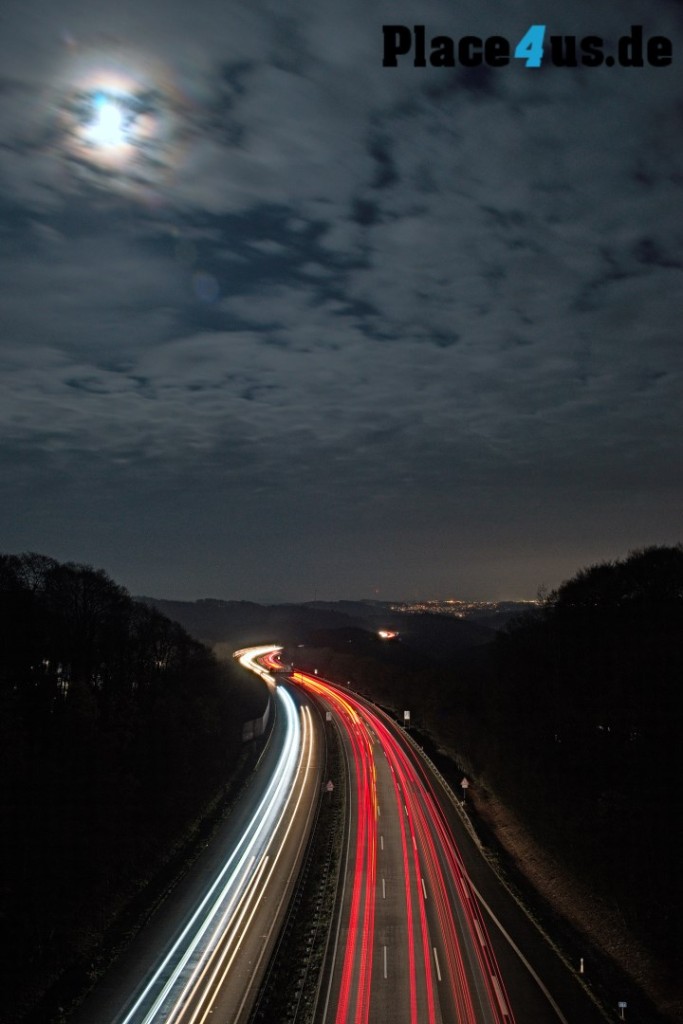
(458, 609)
(387, 634)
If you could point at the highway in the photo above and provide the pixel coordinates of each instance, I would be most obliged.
(202, 959)
(414, 941)
(412, 946)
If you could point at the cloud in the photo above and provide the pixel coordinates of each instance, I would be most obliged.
(415, 294)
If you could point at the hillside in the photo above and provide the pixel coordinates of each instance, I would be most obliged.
(118, 732)
(239, 623)
(568, 725)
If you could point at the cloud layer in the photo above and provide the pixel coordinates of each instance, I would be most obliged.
(336, 327)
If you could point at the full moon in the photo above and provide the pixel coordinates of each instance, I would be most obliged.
(108, 125)
(119, 119)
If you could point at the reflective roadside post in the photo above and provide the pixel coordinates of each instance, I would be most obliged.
(406, 719)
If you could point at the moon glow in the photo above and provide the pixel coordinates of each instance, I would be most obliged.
(108, 127)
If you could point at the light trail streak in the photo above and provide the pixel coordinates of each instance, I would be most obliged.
(199, 976)
(362, 899)
(358, 956)
(467, 979)
(222, 958)
(436, 838)
(412, 975)
(221, 912)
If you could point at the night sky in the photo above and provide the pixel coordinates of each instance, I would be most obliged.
(280, 323)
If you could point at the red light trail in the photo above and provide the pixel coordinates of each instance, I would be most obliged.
(452, 974)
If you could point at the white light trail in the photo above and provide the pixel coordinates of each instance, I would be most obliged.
(241, 925)
(168, 988)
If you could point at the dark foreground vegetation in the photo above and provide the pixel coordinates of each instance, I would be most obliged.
(117, 732)
(573, 715)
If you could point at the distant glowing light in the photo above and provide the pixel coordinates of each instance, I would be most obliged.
(120, 120)
(387, 634)
(109, 125)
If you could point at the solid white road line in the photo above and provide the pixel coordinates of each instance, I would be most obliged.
(560, 1016)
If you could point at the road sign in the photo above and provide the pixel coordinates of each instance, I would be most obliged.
(406, 716)
(328, 716)
(329, 787)
(465, 784)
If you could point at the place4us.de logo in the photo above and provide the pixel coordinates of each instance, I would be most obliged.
(630, 50)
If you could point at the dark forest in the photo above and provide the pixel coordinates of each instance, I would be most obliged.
(118, 733)
(572, 716)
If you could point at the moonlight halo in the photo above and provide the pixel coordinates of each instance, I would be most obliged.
(108, 127)
(120, 122)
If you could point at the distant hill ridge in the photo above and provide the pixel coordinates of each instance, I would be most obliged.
(241, 623)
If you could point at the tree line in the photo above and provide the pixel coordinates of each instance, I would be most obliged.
(586, 706)
(117, 729)
(573, 717)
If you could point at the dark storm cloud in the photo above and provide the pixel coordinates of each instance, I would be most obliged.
(334, 303)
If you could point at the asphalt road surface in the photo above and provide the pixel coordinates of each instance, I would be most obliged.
(425, 934)
(202, 957)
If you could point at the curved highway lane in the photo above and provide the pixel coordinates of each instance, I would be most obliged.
(204, 960)
(412, 946)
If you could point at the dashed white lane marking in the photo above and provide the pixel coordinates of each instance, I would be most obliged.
(423, 889)
(381, 841)
(385, 961)
(436, 963)
(501, 998)
(384, 889)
